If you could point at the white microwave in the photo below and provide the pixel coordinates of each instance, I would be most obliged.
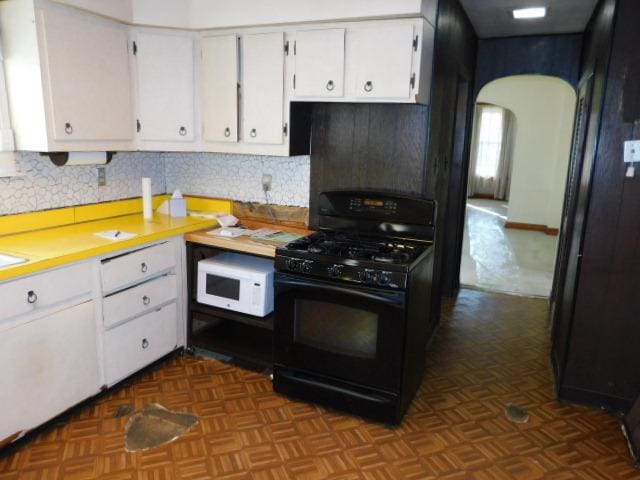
(234, 281)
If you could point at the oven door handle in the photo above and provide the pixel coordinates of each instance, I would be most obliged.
(395, 299)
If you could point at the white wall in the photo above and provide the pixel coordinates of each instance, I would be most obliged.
(544, 108)
(208, 14)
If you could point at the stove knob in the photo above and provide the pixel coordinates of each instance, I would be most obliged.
(307, 266)
(385, 278)
(335, 270)
(291, 264)
(367, 276)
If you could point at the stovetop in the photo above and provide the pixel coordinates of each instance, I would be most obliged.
(352, 257)
(358, 247)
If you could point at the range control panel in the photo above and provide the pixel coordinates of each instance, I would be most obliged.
(346, 273)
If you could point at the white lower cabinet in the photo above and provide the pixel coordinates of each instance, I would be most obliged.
(49, 364)
(139, 342)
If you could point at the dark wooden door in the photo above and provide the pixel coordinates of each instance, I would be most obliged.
(457, 192)
(572, 228)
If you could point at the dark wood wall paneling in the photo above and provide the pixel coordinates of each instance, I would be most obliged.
(447, 158)
(602, 360)
(554, 55)
(367, 146)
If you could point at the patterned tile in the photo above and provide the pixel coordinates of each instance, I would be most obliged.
(43, 186)
(240, 176)
(454, 430)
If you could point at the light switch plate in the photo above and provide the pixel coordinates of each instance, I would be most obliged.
(632, 151)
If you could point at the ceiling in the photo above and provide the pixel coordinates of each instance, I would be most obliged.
(494, 18)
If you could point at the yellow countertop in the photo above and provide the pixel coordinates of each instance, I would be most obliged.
(51, 247)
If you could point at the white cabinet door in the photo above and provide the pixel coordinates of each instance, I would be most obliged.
(219, 72)
(165, 87)
(382, 58)
(48, 365)
(263, 88)
(86, 68)
(319, 63)
(137, 343)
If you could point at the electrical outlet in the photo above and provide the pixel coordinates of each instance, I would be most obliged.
(632, 151)
(266, 181)
(102, 177)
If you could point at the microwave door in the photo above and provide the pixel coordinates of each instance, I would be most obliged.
(355, 334)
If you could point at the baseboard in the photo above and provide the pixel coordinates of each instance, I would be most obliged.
(483, 196)
(594, 399)
(533, 227)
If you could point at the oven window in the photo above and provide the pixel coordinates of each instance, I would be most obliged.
(336, 328)
(223, 287)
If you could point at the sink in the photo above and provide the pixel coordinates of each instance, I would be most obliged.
(7, 260)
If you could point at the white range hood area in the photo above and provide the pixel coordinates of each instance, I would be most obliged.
(208, 14)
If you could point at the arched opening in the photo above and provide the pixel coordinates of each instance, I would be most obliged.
(519, 159)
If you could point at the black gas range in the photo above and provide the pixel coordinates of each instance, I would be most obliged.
(352, 257)
(353, 302)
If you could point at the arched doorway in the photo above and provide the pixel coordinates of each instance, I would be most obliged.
(519, 159)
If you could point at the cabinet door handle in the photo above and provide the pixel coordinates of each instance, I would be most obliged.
(145, 343)
(253, 133)
(368, 86)
(182, 131)
(143, 267)
(227, 132)
(68, 129)
(146, 300)
(32, 297)
(330, 85)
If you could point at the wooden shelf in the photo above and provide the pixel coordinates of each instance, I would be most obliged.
(221, 313)
(236, 340)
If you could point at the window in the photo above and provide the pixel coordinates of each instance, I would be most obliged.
(489, 141)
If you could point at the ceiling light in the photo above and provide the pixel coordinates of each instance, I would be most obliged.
(535, 12)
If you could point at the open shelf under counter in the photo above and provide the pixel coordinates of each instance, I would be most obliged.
(236, 340)
(209, 312)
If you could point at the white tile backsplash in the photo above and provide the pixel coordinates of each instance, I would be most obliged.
(42, 185)
(239, 177)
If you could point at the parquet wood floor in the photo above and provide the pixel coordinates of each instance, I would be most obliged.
(490, 350)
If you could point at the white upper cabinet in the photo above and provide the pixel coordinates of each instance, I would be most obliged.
(381, 59)
(219, 88)
(319, 63)
(262, 88)
(165, 86)
(87, 72)
(68, 78)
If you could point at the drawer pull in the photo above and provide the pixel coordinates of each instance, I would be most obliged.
(182, 131)
(253, 133)
(227, 132)
(32, 297)
(68, 129)
(143, 267)
(145, 343)
(146, 300)
(368, 86)
(330, 85)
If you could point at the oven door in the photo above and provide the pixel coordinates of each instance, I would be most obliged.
(346, 332)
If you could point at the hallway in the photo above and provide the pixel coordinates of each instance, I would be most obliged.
(498, 259)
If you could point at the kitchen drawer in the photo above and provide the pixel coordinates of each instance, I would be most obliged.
(44, 289)
(133, 301)
(137, 266)
(137, 343)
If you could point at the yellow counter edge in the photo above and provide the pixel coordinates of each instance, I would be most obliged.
(47, 263)
(32, 221)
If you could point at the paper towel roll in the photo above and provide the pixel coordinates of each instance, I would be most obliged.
(147, 200)
(87, 158)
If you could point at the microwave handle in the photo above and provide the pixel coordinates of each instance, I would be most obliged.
(391, 298)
